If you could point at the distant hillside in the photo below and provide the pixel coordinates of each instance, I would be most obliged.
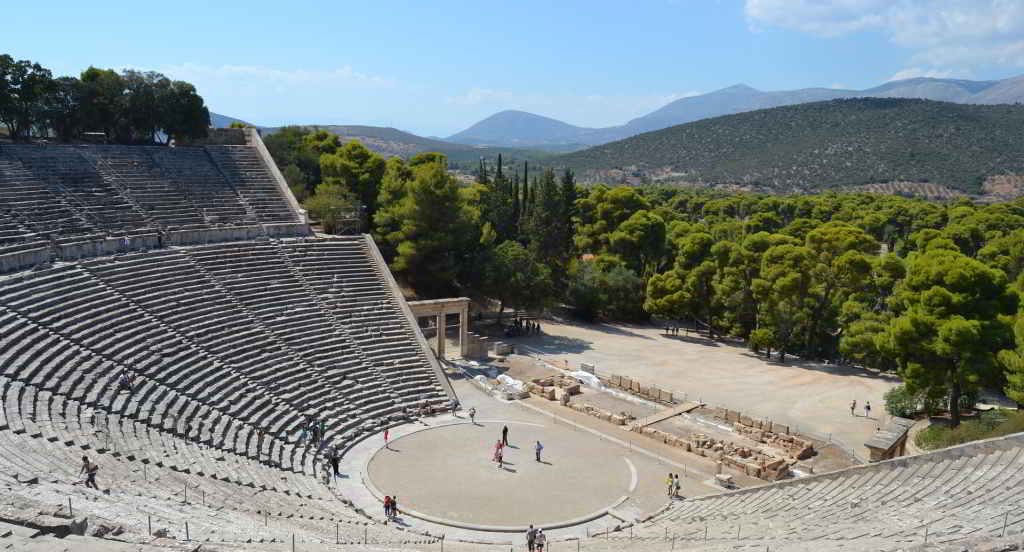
(521, 129)
(821, 145)
(392, 142)
(223, 121)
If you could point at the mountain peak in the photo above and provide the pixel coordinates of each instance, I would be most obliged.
(738, 87)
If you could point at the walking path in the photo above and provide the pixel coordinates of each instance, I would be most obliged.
(666, 414)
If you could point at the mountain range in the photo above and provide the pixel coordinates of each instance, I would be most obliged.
(526, 130)
(814, 146)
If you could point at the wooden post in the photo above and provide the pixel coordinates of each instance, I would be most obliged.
(705, 533)
(364, 534)
(186, 492)
(1005, 519)
(337, 532)
(145, 476)
(204, 497)
(71, 512)
(926, 527)
(738, 527)
(187, 538)
(293, 542)
(149, 523)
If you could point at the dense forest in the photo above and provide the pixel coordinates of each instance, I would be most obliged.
(926, 289)
(822, 145)
(127, 107)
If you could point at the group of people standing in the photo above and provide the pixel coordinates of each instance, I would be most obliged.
(314, 429)
(673, 484)
(536, 539)
(391, 507)
(522, 327)
(499, 449)
(867, 408)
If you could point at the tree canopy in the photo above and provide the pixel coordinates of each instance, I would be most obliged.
(126, 107)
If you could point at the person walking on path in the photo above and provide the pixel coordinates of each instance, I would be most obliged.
(504, 435)
(500, 458)
(497, 451)
(394, 506)
(472, 414)
(89, 470)
(867, 409)
(676, 487)
(853, 407)
(335, 459)
(670, 483)
(537, 450)
(387, 507)
(531, 536)
(539, 541)
(387, 436)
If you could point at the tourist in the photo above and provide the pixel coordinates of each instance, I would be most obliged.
(472, 414)
(504, 435)
(387, 507)
(497, 450)
(853, 407)
(531, 537)
(89, 469)
(335, 458)
(670, 483)
(394, 506)
(867, 409)
(537, 449)
(387, 436)
(501, 459)
(539, 541)
(676, 487)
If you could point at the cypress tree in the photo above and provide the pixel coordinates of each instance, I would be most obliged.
(524, 208)
(481, 174)
(515, 200)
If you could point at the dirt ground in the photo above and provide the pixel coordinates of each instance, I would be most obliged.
(828, 456)
(810, 397)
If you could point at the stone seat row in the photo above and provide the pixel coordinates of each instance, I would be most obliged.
(951, 495)
(87, 190)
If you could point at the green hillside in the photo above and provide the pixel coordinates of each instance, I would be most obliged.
(822, 145)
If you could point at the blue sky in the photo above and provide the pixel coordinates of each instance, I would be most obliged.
(435, 67)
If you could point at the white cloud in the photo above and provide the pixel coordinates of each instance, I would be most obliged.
(940, 33)
(915, 72)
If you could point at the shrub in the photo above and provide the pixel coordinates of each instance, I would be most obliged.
(995, 423)
(900, 402)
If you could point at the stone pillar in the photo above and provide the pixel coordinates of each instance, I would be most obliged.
(464, 331)
(440, 335)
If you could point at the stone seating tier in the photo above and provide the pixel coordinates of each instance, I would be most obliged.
(84, 192)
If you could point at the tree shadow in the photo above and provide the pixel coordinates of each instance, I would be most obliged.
(695, 339)
(554, 344)
(622, 329)
(833, 369)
